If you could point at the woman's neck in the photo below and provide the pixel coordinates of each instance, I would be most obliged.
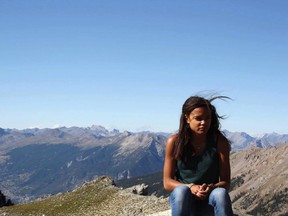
(199, 139)
(199, 143)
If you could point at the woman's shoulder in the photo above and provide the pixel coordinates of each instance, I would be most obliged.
(171, 140)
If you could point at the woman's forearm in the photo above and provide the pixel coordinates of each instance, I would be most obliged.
(170, 184)
(223, 184)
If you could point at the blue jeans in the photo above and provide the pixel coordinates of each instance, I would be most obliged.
(183, 203)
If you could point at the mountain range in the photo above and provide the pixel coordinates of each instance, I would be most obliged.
(37, 162)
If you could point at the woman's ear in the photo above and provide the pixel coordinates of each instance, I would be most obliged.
(187, 119)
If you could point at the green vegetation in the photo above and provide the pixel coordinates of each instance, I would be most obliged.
(236, 182)
(267, 207)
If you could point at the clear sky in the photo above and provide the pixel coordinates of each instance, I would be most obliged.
(131, 64)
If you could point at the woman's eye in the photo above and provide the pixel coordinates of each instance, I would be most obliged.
(202, 118)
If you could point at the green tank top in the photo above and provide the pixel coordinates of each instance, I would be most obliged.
(201, 169)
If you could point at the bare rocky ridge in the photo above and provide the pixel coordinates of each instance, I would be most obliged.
(260, 179)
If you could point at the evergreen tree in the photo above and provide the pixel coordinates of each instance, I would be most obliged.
(3, 201)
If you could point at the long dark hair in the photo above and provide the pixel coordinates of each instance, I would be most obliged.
(183, 149)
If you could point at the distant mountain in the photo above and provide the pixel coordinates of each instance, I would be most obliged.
(37, 162)
(241, 140)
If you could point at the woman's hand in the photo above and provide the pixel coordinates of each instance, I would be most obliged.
(202, 191)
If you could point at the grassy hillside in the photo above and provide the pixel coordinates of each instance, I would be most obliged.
(98, 197)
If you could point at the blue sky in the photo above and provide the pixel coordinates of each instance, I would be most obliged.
(131, 64)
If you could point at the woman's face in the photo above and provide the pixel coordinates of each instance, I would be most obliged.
(199, 120)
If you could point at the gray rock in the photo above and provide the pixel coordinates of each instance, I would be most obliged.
(141, 189)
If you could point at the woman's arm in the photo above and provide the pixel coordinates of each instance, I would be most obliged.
(169, 165)
(223, 147)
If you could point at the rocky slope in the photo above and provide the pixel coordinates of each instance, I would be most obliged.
(260, 181)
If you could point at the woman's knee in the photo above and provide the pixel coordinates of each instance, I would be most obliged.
(220, 200)
(219, 192)
(181, 192)
(219, 195)
(180, 200)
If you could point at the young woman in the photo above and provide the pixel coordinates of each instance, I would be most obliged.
(197, 167)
